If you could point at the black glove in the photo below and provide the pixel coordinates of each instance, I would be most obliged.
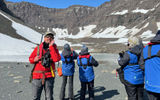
(121, 53)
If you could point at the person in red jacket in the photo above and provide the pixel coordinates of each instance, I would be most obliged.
(44, 57)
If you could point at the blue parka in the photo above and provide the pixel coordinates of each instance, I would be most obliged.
(86, 71)
(152, 69)
(133, 74)
(151, 64)
(68, 64)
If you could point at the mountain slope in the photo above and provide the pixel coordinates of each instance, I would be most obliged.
(127, 13)
(18, 39)
(35, 15)
(103, 29)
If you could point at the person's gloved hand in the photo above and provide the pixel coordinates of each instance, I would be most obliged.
(121, 53)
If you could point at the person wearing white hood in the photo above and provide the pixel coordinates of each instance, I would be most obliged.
(130, 72)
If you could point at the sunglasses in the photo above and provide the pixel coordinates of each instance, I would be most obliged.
(49, 37)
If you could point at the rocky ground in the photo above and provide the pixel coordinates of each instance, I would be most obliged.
(14, 83)
(97, 45)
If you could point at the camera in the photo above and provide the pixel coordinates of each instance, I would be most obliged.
(121, 53)
(46, 61)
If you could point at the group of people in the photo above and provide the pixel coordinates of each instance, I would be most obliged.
(44, 57)
(140, 67)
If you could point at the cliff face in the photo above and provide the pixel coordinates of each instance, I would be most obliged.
(6, 24)
(99, 28)
(4, 8)
(35, 15)
(127, 13)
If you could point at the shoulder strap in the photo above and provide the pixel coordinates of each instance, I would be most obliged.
(66, 60)
(38, 50)
(80, 61)
(84, 66)
(30, 80)
(149, 51)
(158, 54)
(88, 63)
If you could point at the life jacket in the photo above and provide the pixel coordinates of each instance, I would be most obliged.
(68, 65)
(132, 72)
(86, 72)
(151, 54)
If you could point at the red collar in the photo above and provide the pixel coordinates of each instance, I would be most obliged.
(71, 54)
(150, 43)
(84, 56)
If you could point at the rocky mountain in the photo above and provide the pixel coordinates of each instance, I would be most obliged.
(38, 16)
(128, 13)
(103, 28)
(3, 7)
(5, 24)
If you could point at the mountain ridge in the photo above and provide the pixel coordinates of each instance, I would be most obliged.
(103, 29)
(106, 15)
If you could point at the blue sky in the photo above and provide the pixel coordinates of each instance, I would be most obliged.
(64, 3)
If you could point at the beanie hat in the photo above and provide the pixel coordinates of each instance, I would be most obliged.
(133, 41)
(67, 50)
(67, 47)
(84, 50)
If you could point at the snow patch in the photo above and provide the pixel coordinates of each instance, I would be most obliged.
(85, 31)
(27, 32)
(16, 50)
(158, 25)
(120, 13)
(121, 40)
(111, 32)
(157, 5)
(12, 46)
(61, 33)
(147, 34)
(144, 11)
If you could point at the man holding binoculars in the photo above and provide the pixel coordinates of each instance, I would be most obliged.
(44, 57)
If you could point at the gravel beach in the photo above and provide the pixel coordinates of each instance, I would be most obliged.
(14, 84)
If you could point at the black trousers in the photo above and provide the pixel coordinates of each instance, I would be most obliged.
(153, 96)
(135, 92)
(70, 87)
(90, 86)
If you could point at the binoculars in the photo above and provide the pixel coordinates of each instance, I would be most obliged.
(46, 61)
